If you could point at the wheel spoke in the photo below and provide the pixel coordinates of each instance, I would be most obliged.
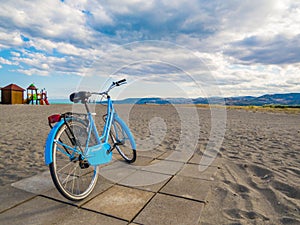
(67, 178)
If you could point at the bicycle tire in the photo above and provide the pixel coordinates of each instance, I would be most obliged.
(71, 180)
(120, 136)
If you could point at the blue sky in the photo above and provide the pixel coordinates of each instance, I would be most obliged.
(164, 48)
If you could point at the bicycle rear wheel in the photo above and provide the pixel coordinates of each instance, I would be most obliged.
(72, 175)
(122, 140)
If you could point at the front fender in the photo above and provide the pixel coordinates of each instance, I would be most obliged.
(124, 126)
(49, 142)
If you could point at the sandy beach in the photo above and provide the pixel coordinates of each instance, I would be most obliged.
(258, 176)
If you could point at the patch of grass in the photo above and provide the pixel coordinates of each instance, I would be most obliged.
(269, 108)
(264, 108)
(282, 106)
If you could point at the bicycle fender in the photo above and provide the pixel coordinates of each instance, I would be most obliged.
(49, 142)
(124, 126)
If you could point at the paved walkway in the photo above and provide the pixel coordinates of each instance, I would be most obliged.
(177, 199)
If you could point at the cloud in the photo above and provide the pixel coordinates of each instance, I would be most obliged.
(7, 62)
(33, 71)
(247, 45)
(275, 50)
(45, 19)
(10, 39)
(40, 64)
(158, 19)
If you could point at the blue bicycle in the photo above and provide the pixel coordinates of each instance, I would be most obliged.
(74, 149)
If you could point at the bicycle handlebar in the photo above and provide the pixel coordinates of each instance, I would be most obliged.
(83, 96)
(114, 84)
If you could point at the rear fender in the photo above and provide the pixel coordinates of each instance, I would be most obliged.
(49, 142)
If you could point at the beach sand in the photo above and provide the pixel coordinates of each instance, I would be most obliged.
(258, 177)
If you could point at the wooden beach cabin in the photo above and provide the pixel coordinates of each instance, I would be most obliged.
(12, 94)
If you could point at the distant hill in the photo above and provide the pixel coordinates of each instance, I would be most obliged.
(291, 99)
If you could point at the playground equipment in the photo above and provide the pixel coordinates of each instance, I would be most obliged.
(34, 97)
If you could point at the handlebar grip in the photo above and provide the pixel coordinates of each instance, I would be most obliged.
(120, 82)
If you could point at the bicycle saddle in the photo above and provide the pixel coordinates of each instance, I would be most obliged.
(82, 96)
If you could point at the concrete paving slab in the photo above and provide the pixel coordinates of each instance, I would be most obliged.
(116, 156)
(207, 161)
(142, 161)
(187, 187)
(11, 197)
(37, 184)
(145, 180)
(117, 171)
(177, 156)
(165, 209)
(41, 210)
(152, 153)
(102, 185)
(193, 170)
(165, 154)
(85, 217)
(164, 167)
(120, 202)
(196, 158)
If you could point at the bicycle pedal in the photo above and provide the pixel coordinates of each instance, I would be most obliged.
(84, 164)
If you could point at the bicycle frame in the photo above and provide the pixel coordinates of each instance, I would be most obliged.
(102, 141)
(92, 127)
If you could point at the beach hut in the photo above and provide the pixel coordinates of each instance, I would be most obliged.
(12, 94)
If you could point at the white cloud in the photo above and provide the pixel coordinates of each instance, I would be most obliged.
(33, 71)
(10, 39)
(7, 62)
(16, 54)
(48, 19)
(250, 46)
(254, 79)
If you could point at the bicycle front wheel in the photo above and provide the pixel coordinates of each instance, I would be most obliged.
(122, 140)
(72, 175)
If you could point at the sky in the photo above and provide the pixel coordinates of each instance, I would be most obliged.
(174, 48)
